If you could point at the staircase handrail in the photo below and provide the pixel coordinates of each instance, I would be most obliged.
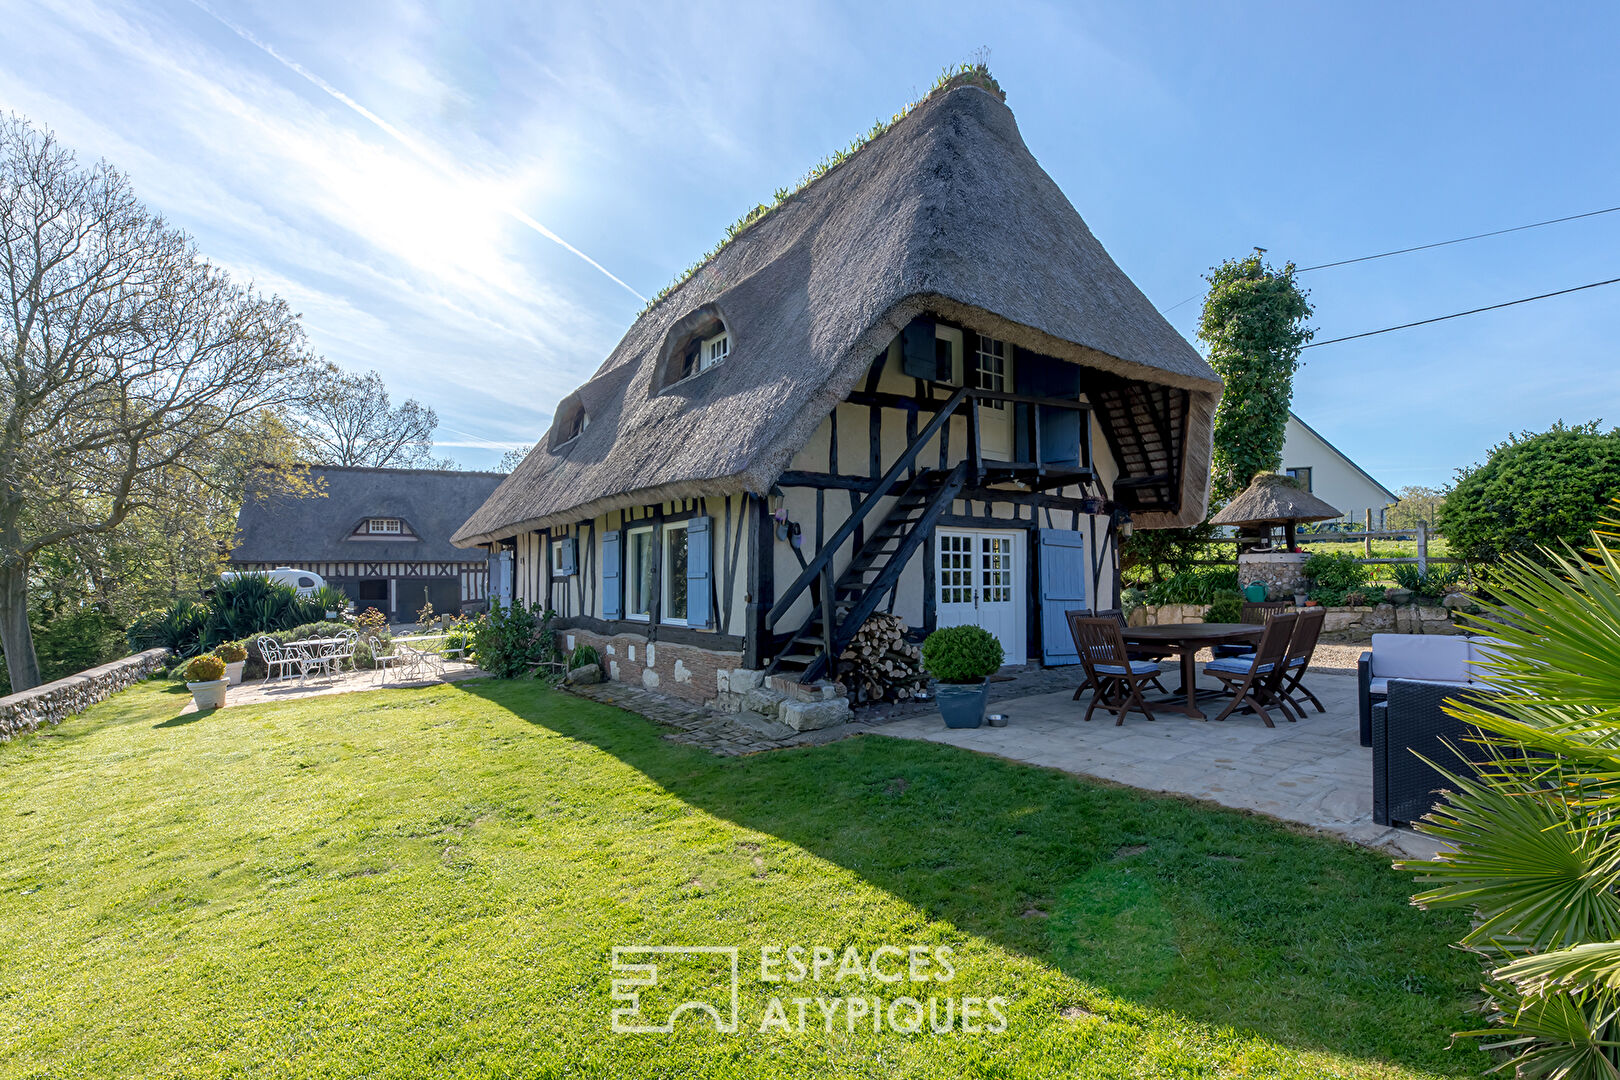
(824, 557)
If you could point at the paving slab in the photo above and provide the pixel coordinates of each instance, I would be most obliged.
(1313, 772)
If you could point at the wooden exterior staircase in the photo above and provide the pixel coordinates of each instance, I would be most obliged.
(845, 602)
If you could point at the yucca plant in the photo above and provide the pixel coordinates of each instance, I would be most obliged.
(1535, 831)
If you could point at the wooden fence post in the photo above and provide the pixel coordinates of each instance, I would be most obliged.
(1366, 541)
(1423, 548)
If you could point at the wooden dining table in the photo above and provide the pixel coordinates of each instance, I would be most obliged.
(1185, 640)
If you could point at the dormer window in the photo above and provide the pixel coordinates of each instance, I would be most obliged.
(570, 423)
(383, 526)
(696, 343)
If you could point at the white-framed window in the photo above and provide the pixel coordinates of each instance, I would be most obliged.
(713, 350)
(383, 526)
(673, 609)
(638, 572)
(990, 369)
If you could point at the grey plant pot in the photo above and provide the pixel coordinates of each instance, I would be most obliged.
(963, 705)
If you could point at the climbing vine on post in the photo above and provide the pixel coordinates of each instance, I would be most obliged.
(1254, 327)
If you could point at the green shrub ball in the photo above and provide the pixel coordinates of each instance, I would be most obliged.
(961, 654)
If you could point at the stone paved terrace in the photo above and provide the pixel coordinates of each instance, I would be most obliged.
(1313, 773)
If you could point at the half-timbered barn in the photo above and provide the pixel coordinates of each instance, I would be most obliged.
(917, 386)
(380, 535)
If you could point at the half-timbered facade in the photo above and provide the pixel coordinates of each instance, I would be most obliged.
(918, 386)
(382, 536)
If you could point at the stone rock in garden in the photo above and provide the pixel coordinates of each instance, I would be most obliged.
(1381, 618)
(1397, 596)
(814, 715)
(1407, 621)
(1139, 616)
(1433, 614)
(584, 675)
(1456, 601)
(1341, 620)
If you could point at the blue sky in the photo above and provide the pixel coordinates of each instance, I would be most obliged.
(413, 239)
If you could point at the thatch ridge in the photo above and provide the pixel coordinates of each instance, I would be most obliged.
(941, 215)
(1274, 499)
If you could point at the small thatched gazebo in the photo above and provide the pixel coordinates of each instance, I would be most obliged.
(1274, 499)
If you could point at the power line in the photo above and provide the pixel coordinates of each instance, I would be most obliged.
(1426, 247)
(1460, 314)
(1459, 240)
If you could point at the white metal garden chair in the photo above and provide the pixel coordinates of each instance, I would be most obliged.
(277, 657)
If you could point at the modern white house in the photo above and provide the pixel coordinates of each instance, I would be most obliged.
(1322, 469)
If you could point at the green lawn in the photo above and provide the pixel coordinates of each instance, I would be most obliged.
(429, 882)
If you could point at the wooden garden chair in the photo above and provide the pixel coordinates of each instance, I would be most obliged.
(1255, 613)
(1137, 652)
(1255, 682)
(1301, 647)
(1117, 677)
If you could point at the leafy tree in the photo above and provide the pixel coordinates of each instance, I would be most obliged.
(1154, 555)
(1416, 505)
(1534, 491)
(348, 419)
(512, 459)
(1253, 326)
(126, 359)
(1534, 831)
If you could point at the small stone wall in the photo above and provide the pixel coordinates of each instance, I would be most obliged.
(684, 671)
(1349, 622)
(54, 701)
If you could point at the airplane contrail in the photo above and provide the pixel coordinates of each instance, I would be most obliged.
(420, 152)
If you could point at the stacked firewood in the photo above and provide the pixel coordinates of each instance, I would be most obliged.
(879, 664)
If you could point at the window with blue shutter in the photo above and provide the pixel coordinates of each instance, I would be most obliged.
(699, 575)
(612, 594)
(1063, 572)
(565, 557)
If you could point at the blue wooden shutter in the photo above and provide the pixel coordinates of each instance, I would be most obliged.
(699, 612)
(919, 356)
(568, 558)
(1044, 376)
(1063, 589)
(500, 577)
(612, 596)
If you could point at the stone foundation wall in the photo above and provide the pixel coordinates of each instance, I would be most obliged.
(55, 701)
(685, 671)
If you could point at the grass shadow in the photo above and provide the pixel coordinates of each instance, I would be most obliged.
(1221, 916)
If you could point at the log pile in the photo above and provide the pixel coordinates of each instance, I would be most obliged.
(879, 664)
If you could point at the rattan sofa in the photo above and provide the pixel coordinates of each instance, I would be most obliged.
(1411, 725)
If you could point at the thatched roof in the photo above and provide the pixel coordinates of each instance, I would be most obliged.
(946, 213)
(1274, 499)
(316, 528)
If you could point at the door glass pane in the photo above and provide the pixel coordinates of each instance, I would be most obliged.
(674, 574)
(996, 570)
(955, 569)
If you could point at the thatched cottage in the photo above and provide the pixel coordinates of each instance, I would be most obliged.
(919, 385)
(382, 536)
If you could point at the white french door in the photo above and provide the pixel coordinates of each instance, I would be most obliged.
(979, 576)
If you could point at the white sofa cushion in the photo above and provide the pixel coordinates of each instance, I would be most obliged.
(1482, 651)
(1381, 686)
(1426, 657)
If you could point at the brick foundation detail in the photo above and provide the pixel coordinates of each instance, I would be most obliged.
(684, 671)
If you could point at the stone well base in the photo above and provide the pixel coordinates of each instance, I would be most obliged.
(1282, 572)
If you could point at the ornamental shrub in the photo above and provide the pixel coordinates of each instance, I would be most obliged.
(1336, 572)
(1535, 492)
(1226, 608)
(584, 656)
(205, 668)
(961, 654)
(1193, 586)
(513, 639)
(231, 652)
(1438, 581)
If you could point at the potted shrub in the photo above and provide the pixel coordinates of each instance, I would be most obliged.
(961, 659)
(205, 678)
(235, 656)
